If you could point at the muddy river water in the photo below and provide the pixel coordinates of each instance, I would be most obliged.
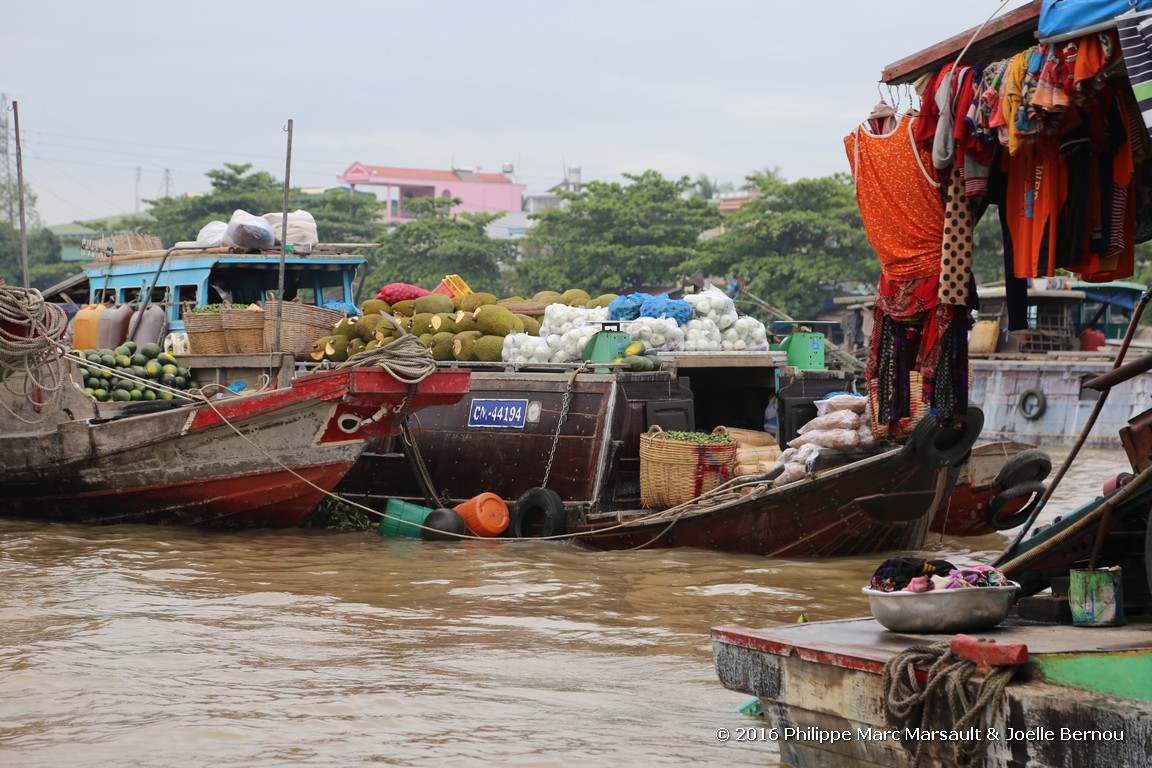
(145, 646)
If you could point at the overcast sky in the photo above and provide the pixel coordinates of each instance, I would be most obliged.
(117, 98)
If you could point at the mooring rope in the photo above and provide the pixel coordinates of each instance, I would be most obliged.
(28, 346)
(906, 705)
(406, 358)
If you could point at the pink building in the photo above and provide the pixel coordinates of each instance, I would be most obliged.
(478, 192)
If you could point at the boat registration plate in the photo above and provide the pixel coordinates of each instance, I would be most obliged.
(497, 413)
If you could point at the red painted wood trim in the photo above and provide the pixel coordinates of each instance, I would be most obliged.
(989, 653)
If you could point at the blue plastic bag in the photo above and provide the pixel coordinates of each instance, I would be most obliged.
(1068, 19)
(626, 307)
(662, 306)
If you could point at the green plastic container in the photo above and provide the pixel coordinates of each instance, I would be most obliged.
(805, 350)
(403, 519)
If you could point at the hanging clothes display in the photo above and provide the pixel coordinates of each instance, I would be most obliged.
(1046, 136)
(899, 199)
(1135, 32)
(904, 219)
(956, 247)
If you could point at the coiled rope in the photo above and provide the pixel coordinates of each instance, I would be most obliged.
(406, 358)
(29, 328)
(906, 705)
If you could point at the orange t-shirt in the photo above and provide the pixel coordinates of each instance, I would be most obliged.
(899, 198)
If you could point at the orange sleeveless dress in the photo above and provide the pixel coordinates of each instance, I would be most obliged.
(899, 198)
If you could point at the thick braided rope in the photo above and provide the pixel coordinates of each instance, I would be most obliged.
(406, 358)
(907, 705)
(29, 327)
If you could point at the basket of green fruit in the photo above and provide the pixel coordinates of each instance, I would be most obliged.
(205, 329)
(676, 467)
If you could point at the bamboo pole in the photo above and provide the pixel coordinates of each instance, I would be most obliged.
(284, 235)
(20, 195)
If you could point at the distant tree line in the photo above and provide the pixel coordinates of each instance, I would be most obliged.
(793, 244)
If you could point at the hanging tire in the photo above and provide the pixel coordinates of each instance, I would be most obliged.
(1032, 465)
(1032, 404)
(941, 446)
(539, 513)
(999, 522)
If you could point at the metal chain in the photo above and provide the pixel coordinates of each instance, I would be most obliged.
(560, 423)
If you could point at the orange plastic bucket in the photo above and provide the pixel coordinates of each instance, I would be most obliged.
(486, 514)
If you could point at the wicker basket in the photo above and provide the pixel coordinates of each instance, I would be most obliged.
(205, 333)
(243, 330)
(675, 471)
(300, 325)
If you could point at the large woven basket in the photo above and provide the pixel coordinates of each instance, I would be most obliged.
(300, 325)
(205, 333)
(243, 330)
(673, 472)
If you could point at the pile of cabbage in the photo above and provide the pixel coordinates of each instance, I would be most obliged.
(702, 322)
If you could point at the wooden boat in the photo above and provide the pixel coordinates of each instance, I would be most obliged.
(877, 504)
(992, 469)
(576, 435)
(259, 460)
(1031, 384)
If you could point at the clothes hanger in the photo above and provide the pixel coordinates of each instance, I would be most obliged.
(882, 118)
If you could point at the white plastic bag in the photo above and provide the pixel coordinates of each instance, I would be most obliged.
(713, 304)
(561, 318)
(248, 232)
(301, 227)
(570, 347)
(746, 334)
(844, 439)
(211, 235)
(657, 334)
(842, 402)
(701, 335)
(522, 349)
(832, 420)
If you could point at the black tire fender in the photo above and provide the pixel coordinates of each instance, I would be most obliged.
(1032, 404)
(539, 513)
(947, 446)
(1032, 465)
(1023, 490)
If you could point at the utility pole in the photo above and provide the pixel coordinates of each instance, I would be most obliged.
(6, 163)
(139, 176)
(166, 189)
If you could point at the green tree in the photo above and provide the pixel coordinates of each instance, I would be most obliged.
(43, 257)
(988, 248)
(616, 238)
(795, 246)
(10, 204)
(236, 187)
(435, 244)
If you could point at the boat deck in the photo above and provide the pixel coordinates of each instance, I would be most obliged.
(1081, 699)
(864, 643)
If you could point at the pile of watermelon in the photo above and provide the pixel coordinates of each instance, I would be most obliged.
(146, 364)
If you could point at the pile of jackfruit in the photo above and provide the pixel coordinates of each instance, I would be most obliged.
(468, 327)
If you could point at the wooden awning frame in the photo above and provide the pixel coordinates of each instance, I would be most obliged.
(1002, 37)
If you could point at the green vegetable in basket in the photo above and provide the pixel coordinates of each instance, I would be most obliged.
(207, 309)
(699, 437)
